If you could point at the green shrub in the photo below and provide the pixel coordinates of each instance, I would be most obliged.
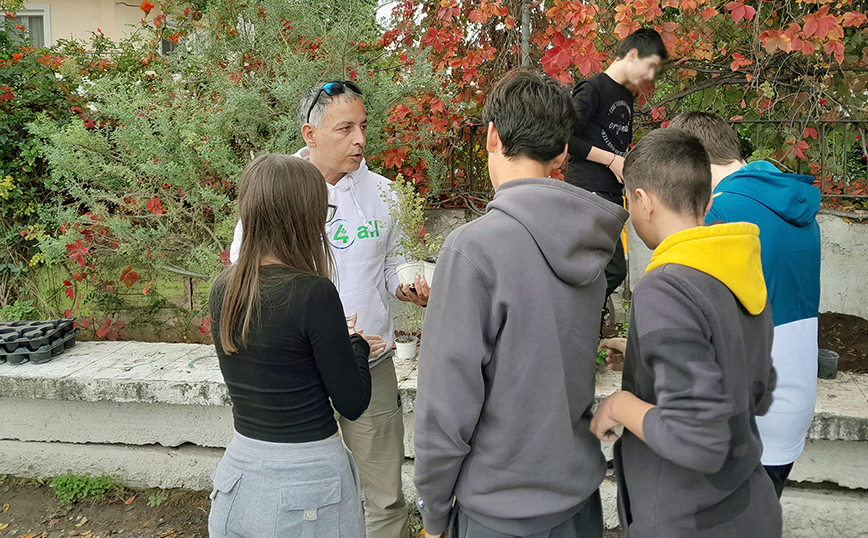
(71, 488)
(407, 209)
(20, 310)
(122, 163)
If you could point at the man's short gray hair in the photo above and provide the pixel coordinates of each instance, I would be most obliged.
(322, 100)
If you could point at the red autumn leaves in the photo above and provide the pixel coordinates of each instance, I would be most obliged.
(155, 206)
(109, 329)
(77, 251)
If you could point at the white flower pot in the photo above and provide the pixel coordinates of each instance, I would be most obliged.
(405, 350)
(429, 271)
(407, 271)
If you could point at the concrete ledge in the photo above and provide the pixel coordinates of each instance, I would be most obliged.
(842, 408)
(188, 467)
(189, 375)
(824, 513)
(159, 415)
(169, 425)
(841, 412)
(182, 374)
(844, 463)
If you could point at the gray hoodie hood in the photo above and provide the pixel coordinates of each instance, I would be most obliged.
(574, 238)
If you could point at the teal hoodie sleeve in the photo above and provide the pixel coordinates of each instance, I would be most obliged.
(784, 206)
(451, 388)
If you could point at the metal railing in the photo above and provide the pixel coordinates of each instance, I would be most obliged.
(467, 164)
(837, 157)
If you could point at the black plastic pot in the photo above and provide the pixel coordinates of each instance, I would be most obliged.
(827, 364)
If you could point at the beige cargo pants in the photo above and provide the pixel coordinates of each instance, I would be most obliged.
(376, 440)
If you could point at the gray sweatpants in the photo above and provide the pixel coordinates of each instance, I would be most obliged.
(277, 490)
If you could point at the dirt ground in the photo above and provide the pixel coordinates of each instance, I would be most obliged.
(34, 512)
(848, 336)
(30, 509)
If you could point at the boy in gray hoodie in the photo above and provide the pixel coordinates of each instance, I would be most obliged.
(697, 366)
(506, 374)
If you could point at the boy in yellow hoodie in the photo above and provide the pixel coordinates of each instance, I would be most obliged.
(697, 360)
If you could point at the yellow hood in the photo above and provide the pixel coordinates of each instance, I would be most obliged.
(728, 252)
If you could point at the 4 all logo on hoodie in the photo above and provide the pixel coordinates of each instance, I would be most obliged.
(341, 236)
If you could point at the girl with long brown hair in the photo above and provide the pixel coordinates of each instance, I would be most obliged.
(287, 358)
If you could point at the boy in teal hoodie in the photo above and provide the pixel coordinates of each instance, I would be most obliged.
(697, 363)
(784, 206)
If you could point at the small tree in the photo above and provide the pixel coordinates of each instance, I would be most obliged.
(416, 243)
(407, 210)
(410, 319)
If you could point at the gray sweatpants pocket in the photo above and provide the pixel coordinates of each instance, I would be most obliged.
(285, 490)
(306, 507)
(226, 485)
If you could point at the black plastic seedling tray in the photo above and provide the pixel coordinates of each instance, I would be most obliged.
(35, 341)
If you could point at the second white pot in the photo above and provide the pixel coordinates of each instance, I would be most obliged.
(405, 350)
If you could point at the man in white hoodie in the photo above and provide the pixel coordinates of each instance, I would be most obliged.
(364, 246)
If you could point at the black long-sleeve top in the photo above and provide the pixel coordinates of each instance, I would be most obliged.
(606, 122)
(298, 356)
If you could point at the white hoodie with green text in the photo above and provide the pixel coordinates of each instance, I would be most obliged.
(365, 249)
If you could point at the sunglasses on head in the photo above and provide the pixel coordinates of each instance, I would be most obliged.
(335, 87)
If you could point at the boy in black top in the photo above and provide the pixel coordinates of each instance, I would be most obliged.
(605, 129)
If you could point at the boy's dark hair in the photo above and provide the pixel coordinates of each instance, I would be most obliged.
(673, 165)
(720, 140)
(533, 114)
(646, 41)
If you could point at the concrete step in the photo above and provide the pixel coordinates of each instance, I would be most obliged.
(159, 415)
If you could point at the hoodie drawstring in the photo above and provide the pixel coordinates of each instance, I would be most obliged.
(359, 211)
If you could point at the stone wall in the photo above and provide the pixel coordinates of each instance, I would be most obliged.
(844, 287)
(844, 244)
